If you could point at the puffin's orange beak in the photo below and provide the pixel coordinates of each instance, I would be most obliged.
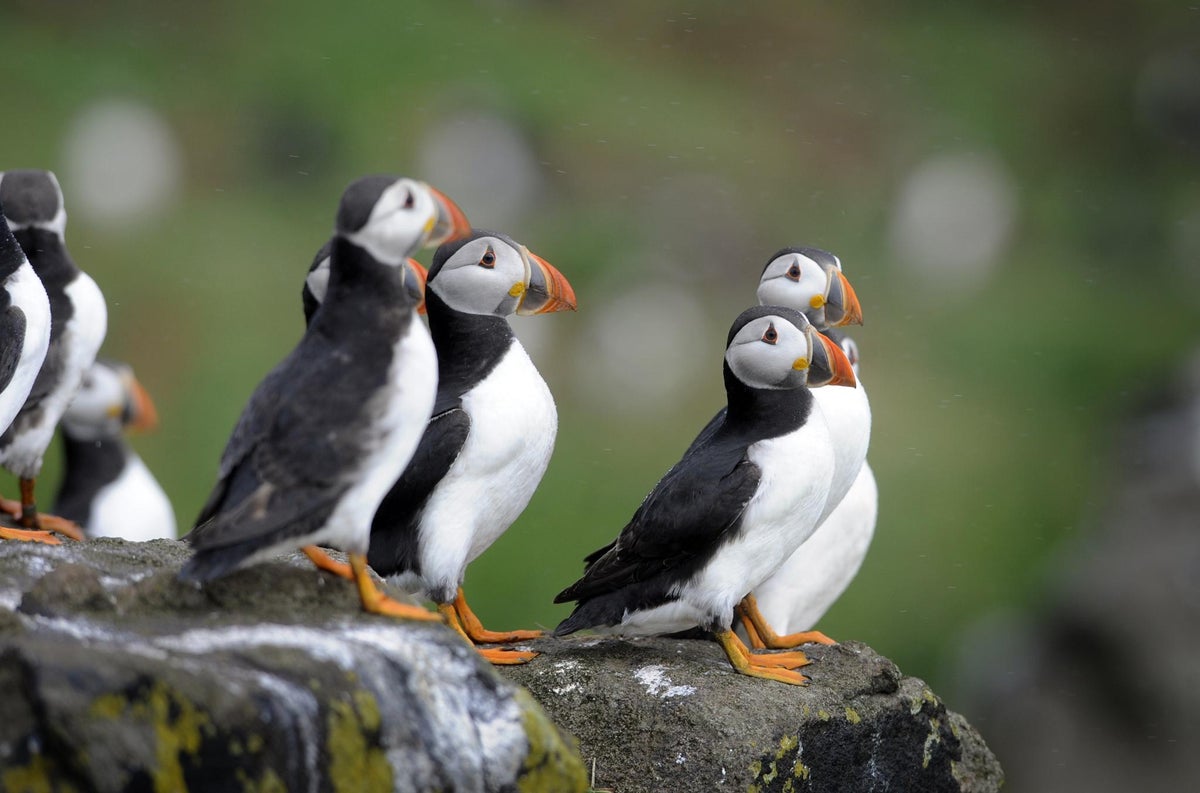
(837, 364)
(548, 289)
(451, 224)
(843, 299)
(142, 413)
(422, 278)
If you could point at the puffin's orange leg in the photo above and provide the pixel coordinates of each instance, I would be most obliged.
(376, 602)
(474, 630)
(26, 514)
(751, 632)
(754, 665)
(29, 535)
(748, 609)
(325, 562)
(500, 656)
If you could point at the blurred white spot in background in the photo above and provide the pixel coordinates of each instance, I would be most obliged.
(953, 218)
(122, 164)
(486, 164)
(644, 348)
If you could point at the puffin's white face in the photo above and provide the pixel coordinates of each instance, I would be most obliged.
(98, 407)
(318, 280)
(485, 276)
(403, 218)
(771, 352)
(795, 281)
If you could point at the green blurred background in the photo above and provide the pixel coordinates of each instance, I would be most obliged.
(1013, 191)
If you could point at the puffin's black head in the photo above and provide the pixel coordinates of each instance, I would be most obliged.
(491, 273)
(391, 217)
(773, 347)
(810, 280)
(33, 199)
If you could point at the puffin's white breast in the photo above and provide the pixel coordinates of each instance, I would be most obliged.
(399, 414)
(847, 412)
(818, 572)
(513, 426)
(133, 506)
(26, 292)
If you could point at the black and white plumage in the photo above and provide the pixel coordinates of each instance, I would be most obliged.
(821, 569)
(449, 223)
(737, 504)
(331, 428)
(316, 283)
(492, 432)
(106, 488)
(34, 209)
(24, 326)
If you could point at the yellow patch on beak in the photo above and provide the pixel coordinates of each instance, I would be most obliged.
(818, 301)
(800, 364)
(114, 411)
(517, 290)
(429, 224)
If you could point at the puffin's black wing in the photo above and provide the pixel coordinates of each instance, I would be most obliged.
(293, 453)
(12, 338)
(394, 530)
(692, 510)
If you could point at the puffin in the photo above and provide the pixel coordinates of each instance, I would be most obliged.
(449, 224)
(24, 338)
(491, 434)
(35, 212)
(106, 488)
(332, 426)
(819, 571)
(734, 507)
(787, 280)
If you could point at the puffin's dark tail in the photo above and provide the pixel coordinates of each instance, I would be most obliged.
(601, 611)
(207, 565)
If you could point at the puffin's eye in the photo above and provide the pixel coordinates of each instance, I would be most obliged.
(489, 259)
(794, 272)
(771, 336)
(409, 200)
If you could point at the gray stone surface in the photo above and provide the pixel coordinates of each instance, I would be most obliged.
(115, 676)
(671, 715)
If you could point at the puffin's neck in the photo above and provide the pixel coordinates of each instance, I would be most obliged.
(365, 298)
(48, 255)
(764, 412)
(468, 345)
